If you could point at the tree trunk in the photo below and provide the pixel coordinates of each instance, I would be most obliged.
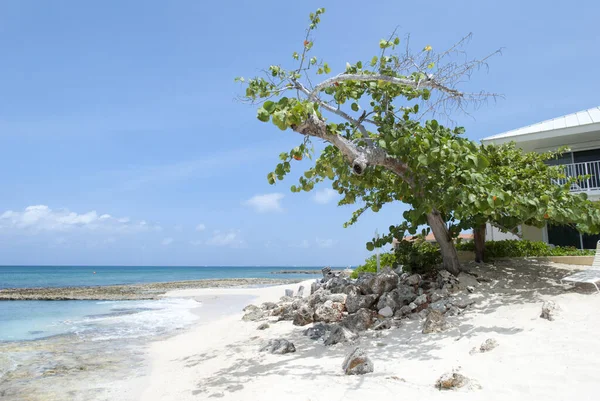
(479, 240)
(442, 236)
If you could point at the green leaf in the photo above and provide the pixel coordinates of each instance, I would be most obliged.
(397, 41)
(422, 159)
(262, 115)
(373, 61)
(354, 106)
(269, 106)
(370, 246)
(326, 68)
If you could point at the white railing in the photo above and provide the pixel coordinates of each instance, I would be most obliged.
(591, 171)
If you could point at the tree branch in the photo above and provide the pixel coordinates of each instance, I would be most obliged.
(428, 82)
(360, 156)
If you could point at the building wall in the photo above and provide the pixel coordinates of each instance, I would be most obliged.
(494, 234)
(533, 233)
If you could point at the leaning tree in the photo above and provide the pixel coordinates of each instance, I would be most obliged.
(382, 143)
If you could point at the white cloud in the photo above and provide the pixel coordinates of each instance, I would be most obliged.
(41, 218)
(200, 227)
(325, 196)
(167, 241)
(197, 242)
(230, 238)
(265, 203)
(325, 243)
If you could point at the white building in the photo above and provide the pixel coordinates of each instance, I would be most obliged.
(581, 133)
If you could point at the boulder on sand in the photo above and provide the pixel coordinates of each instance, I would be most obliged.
(278, 346)
(357, 363)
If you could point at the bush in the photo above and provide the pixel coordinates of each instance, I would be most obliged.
(370, 265)
(523, 248)
(416, 257)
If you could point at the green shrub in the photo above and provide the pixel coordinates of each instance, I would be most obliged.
(523, 248)
(370, 265)
(416, 257)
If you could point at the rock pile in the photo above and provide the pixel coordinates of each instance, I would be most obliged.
(339, 308)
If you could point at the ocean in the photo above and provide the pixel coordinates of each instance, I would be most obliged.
(104, 320)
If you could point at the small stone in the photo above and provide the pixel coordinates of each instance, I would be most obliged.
(550, 310)
(318, 331)
(405, 310)
(451, 381)
(413, 279)
(250, 308)
(386, 312)
(300, 292)
(383, 325)
(327, 313)
(412, 306)
(268, 306)
(289, 293)
(263, 326)
(278, 346)
(339, 334)
(434, 323)
(357, 363)
(420, 300)
(439, 294)
(470, 289)
(488, 345)
(354, 302)
(339, 298)
(440, 306)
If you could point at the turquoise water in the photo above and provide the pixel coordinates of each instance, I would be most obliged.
(69, 276)
(105, 320)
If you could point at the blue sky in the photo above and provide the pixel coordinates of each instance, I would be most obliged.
(121, 141)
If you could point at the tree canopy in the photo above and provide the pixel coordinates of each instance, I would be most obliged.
(384, 145)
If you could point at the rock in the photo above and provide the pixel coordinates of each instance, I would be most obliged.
(268, 306)
(284, 311)
(440, 306)
(488, 345)
(285, 298)
(404, 311)
(399, 271)
(412, 306)
(462, 301)
(278, 346)
(339, 334)
(326, 272)
(298, 303)
(466, 280)
(359, 321)
(550, 310)
(435, 322)
(406, 294)
(386, 312)
(445, 279)
(336, 285)
(420, 300)
(412, 280)
(383, 325)
(250, 308)
(318, 331)
(355, 302)
(252, 315)
(384, 282)
(314, 287)
(319, 297)
(328, 313)
(396, 298)
(303, 316)
(453, 311)
(289, 293)
(364, 283)
(357, 363)
(451, 381)
(300, 292)
(439, 294)
(263, 326)
(337, 298)
(470, 289)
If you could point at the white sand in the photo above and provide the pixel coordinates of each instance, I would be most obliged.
(536, 359)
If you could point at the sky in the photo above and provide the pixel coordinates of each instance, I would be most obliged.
(122, 141)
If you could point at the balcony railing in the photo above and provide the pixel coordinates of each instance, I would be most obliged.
(591, 171)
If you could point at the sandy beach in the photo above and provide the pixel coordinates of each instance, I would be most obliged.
(535, 358)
